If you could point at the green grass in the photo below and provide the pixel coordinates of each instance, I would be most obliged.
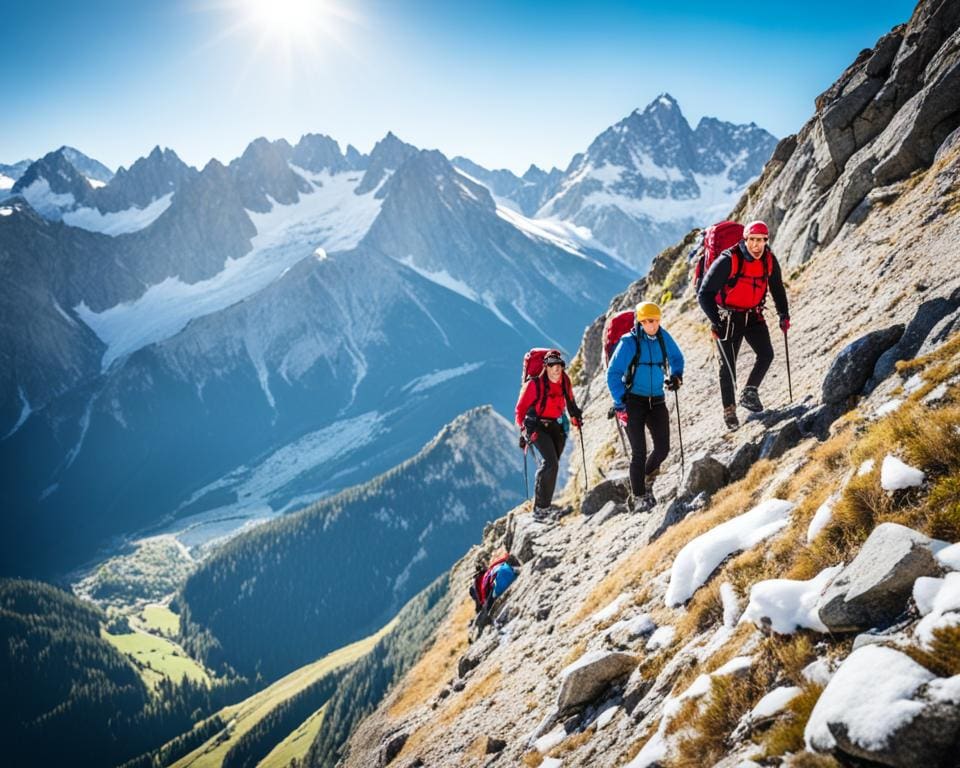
(159, 618)
(296, 745)
(156, 656)
(243, 716)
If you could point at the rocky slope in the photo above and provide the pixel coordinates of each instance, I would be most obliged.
(744, 619)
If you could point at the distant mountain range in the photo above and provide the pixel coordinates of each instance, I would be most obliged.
(171, 336)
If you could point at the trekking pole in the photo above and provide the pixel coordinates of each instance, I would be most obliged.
(526, 482)
(611, 414)
(583, 454)
(679, 433)
(726, 361)
(786, 349)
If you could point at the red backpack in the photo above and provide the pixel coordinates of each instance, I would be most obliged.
(716, 239)
(616, 327)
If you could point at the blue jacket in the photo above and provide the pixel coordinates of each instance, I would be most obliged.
(648, 379)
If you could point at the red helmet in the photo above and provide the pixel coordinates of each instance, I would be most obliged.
(756, 228)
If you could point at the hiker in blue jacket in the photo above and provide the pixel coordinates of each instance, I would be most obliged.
(644, 362)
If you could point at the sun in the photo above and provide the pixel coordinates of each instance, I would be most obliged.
(288, 21)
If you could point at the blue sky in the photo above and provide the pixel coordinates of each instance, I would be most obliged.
(504, 83)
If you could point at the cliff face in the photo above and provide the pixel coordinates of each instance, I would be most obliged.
(741, 617)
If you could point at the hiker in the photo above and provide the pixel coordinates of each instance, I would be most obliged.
(489, 582)
(732, 295)
(545, 399)
(645, 360)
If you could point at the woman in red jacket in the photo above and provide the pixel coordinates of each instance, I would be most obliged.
(540, 415)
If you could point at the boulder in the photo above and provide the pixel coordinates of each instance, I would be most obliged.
(615, 490)
(928, 315)
(743, 458)
(854, 364)
(477, 653)
(883, 707)
(391, 748)
(777, 443)
(589, 676)
(873, 590)
(706, 475)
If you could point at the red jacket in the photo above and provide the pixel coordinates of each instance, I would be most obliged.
(556, 402)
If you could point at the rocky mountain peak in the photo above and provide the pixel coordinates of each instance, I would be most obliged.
(52, 184)
(148, 179)
(87, 166)
(264, 170)
(317, 152)
(387, 156)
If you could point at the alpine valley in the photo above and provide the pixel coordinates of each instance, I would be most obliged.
(197, 350)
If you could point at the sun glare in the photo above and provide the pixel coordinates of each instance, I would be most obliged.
(287, 20)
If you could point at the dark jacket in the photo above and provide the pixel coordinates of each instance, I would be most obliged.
(719, 273)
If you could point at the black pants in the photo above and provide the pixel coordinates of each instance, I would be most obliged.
(650, 413)
(740, 326)
(550, 441)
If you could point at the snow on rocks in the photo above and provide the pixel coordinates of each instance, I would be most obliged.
(731, 605)
(818, 672)
(895, 718)
(887, 408)
(949, 557)
(774, 702)
(624, 632)
(866, 468)
(589, 676)
(785, 605)
(661, 638)
(874, 588)
(549, 740)
(609, 612)
(895, 475)
(938, 601)
(700, 557)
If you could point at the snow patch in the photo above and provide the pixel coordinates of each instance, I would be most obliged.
(95, 183)
(700, 557)
(443, 279)
(45, 201)
(895, 475)
(887, 408)
(912, 384)
(549, 740)
(6, 183)
(610, 612)
(950, 556)
(731, 605)
(866, 468)
(25, 411)
(786, 605)
(774, 702)
(938, 601)
(7, 211)
(661, 638)
(935, 394)
(430, 380)
(822, 517)
(119, 222)
(869, 719)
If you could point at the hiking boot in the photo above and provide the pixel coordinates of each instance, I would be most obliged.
(730, 417)
(644, 503)
(541, 514)
(750, 399)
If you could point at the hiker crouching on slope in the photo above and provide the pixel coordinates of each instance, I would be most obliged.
(732, 295)
(644, 361)
(543, 402)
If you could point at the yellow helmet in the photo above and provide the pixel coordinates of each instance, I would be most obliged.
(647, 310)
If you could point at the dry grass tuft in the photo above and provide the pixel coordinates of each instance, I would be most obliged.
(786, 735)
(813, 760)
(437, 665)
(703, 611)
(572, 743)
(943, 657)
(575, 653)
(532, 758)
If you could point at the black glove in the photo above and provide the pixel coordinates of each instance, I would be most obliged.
(530, 424)
(673, 382)
(784, 323)
(575, 411)
(523, 442)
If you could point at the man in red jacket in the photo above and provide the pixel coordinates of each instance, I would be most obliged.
(732, 296)
(540, 408)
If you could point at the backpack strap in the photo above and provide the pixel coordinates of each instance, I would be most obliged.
(663, 350)
(631, 371)
(737, 274)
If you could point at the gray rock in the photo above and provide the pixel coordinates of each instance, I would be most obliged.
(391, 748)
(586, 682)
(855, 362)
(873, 590)
(615, 490)
(743, 458)
(777, 443)
(928, 315)
(706, 475)
(477, 653)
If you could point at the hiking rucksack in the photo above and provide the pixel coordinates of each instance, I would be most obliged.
(533, 370)
(616, 327)
(493, 580)
(631, 371)
(716, 239)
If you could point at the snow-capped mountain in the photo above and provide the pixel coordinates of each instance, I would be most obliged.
(10, 173)
(644, 182)
(268, 308)
(528, 192)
